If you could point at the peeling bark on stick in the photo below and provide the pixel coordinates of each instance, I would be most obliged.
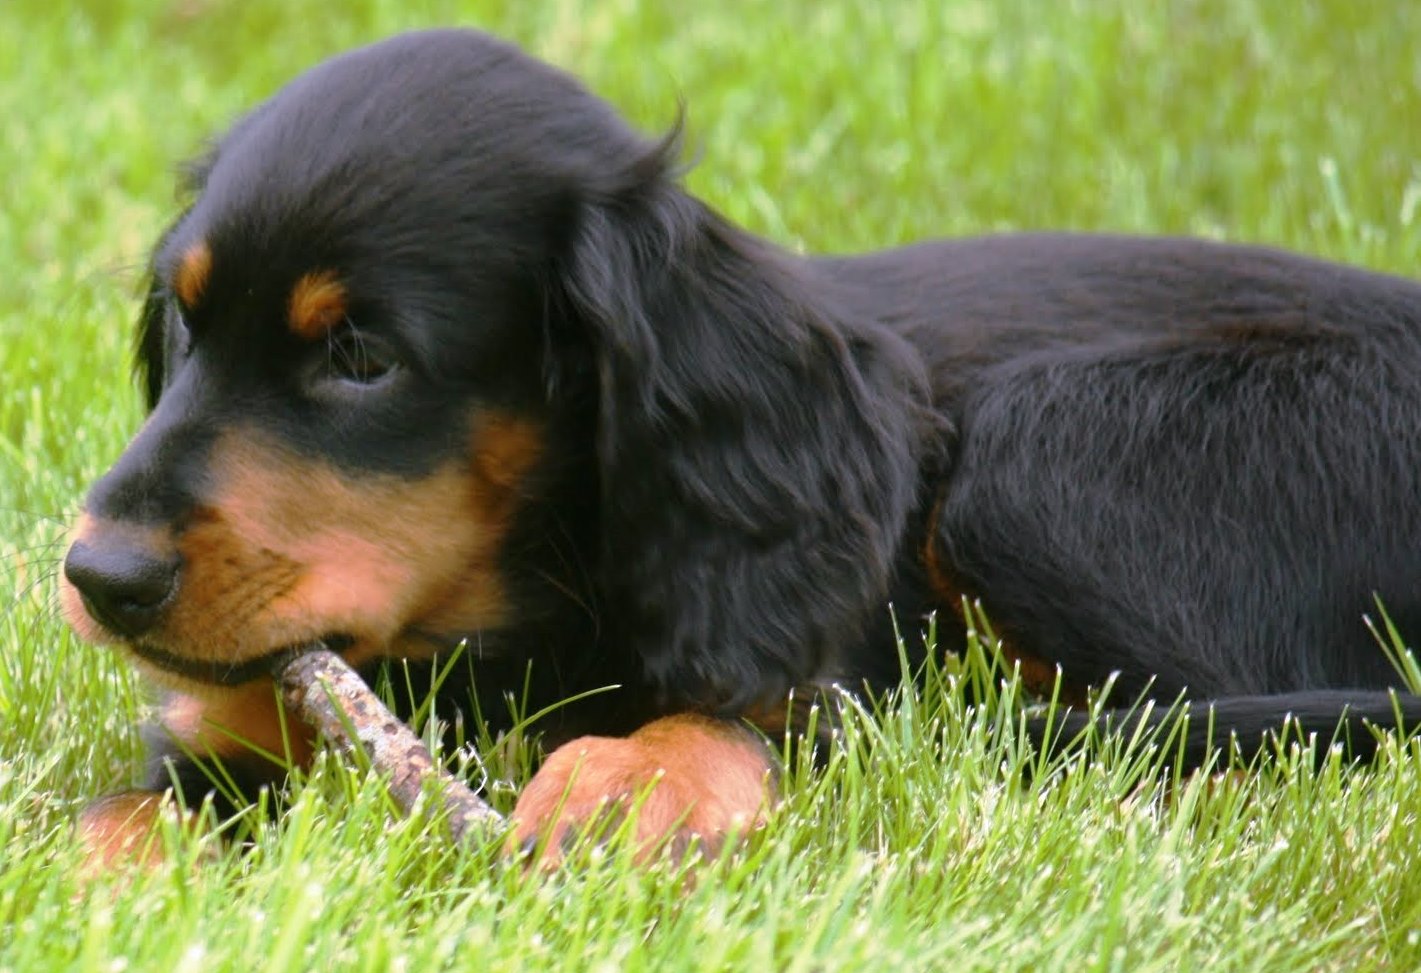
(329, 695)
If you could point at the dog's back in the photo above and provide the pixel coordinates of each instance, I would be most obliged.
(966, 303)
(1174, 460)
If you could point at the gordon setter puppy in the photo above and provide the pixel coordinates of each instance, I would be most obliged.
(440, 353)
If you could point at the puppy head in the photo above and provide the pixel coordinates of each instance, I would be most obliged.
(434, 287)
(344, 352)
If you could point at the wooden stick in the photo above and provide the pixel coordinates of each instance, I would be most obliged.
(329, 695)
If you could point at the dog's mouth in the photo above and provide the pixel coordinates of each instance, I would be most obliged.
(229, 674)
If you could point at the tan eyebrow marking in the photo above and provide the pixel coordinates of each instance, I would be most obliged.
(194, 268)
(317, 304)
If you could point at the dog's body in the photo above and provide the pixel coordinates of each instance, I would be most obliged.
(441, 353)
(1201, 457)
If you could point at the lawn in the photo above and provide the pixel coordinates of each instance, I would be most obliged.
(826, 125)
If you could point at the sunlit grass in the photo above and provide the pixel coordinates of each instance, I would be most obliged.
(925, 839)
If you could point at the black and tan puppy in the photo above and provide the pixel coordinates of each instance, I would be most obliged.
(440, 352)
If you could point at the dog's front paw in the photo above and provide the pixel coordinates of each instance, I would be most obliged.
(123, 831)
(686, 781)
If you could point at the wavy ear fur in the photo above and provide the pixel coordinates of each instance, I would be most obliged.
(758, 453)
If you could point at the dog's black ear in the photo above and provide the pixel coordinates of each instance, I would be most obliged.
(150, 336)
(757, 450)
(148, 361)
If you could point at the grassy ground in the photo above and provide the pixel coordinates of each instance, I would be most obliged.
(826, 125)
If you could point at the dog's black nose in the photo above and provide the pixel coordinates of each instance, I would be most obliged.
(125, 587)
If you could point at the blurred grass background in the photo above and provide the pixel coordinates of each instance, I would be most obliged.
(827, 125)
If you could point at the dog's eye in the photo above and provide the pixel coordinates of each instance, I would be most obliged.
(355, 359)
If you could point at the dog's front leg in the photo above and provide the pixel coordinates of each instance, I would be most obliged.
(223, 747)
(687, 779)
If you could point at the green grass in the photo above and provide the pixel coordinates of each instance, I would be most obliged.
(825, 125)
